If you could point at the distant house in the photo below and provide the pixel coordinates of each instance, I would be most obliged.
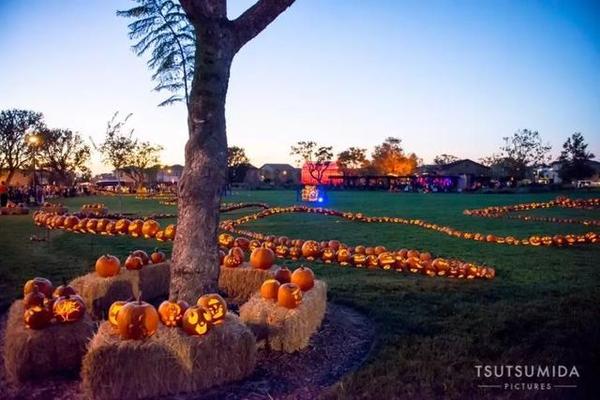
(252, 177)
(169, 174)
(279, 174)
(469, 171)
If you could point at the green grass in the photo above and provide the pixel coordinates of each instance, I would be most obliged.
(543, 307)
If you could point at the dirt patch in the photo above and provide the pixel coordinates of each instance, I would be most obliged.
(340, 346)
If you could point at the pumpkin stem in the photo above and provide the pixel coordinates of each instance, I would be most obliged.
(139, 299)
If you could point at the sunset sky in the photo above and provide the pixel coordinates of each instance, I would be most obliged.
(445, 76)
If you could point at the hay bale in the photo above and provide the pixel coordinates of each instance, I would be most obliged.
(169, 362)
(99, 293)
(282, 329)
(239, 284)
(154, 280)
(30, 354)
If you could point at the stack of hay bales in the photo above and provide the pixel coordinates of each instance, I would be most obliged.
(239, 284)
(55, 350)
(167, 363)
(152, 281)
(282, 329)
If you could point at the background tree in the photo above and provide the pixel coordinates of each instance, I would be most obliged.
(316, 158)
(162, 29)
(444, 159)
(14, 126)
(64, 154)
(574, 159)
(389, 159)
(195, 258)
(353, 160)
(522, 150)
(237, 164)
(117, 147)
(141, 160)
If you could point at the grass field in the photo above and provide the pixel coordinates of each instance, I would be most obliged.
(543, 307)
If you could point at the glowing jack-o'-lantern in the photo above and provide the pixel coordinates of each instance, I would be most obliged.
(149, 228)
(535, 241)
(386, 260)
(113, 312)
(171, 312)
(441, 266)
(269, 289)
(231, 261)
(226, 240)
(110, 229)
(91, 225)
(359, 259)
(343, 256)
(328, 255)
(43, 285)
(295, 252)
(160, 236)
(107, 266)
(282, 251)
(69, 308)
(170, 232)
(289, 295)
(372, 261)
(137, 320)
(133, 263)
(196, 321)
(101, 225)
(238, 252)
(254, 244)
(37, 317)
(262, 258)
(310, 250)
(122, 226)
(304, 278)
(215, 305)
(135, 228)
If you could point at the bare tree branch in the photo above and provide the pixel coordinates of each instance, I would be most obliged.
(255, 19)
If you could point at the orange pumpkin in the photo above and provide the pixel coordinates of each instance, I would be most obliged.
(150, 228)
(113, 312)
(304, 278)
(137, 320)
(171, 312)
(310, 250)
(225, 240)
(158, 257)
(143, 255)
(107, 266)
(269, 289)
(238, 252)
(69, 308)
(64, 290)
(133, 263)
(122, 226)
(215, 305)
(43, 285)
(35, 298)
(170, 232)
(70, 222)
(135, 228)
(91, 225)
(37, 317)
(295, 252)
(283, 275)
(101, 225)
(289, 295)
(343, 256)
(262, 258)
(328, 255)
(196, 321)
(231, 261)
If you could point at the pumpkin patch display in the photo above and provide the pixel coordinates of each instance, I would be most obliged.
(137, 320)
(196, 321)
(270, 289)
(171, 312)
(107, 266)
(262, 258)
(216, 307)
(68, 308)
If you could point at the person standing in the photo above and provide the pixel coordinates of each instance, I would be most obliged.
(3, 194)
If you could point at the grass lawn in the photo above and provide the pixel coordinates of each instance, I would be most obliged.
(542, 308)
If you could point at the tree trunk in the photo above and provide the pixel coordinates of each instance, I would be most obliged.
(195, 260)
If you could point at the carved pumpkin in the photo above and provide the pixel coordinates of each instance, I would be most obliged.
(441, 266)
(238, 252)
(282, 251)
(289, 295)
(70, 222)
(360, 249)
(135, 228)
(171, 312)
(269, 245)
(369, 251)
(310, 250)
(215, 305)
(231, 261)
(149, 228)
(425, 256)
(143, 255)
(304, 278)
(37, 317)
(101, 225)
(158, 257)
(283, 275)
(359, 259)
(226, 240)
(372, 261)
(110, 228)
(69, 308)
(107, 266)
(34, 299)
(535, 241)
(328, 255)
(196, 321)
(379, 249)
(133, 263)
(137, 320)
(386, 260)
(160, 236)
(295, 252)
(122, 226)
(113, 312)
(269, 289)
(43, 285)
(92, 225)
(262, 258)
(170, 232)
(343, 256)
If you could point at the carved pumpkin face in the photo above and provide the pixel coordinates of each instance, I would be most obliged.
(231, 261)
(328, 255)
(37, 317)
(196, 321)
(160, 236)
(359, 259)
(386, 260)
(289, 295)
(343, 256)
(69, 308)
(113, 312)
(170, 232)
(101, 225)
(254, 244)
(262, 258)
(122, 226)
(107, 266)
(158, 257)
(441, 266)
(269, 289)
(149, 228)
(135, 228)
(282, 251)
(535, 241)
(137, 320)
(215, 305)
(226, 240)
(171, 312)
(372, 261)
(304, 278)
(238, 252)
(310, 250)
(43, 285)
(133, 263)
(295, 252)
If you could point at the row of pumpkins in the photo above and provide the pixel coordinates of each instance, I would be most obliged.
(137, 228)
(557, 240)
(108, 265)
(44, 305)
(561, 201)
(263, 254)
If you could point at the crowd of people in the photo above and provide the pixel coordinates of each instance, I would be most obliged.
(34, 195)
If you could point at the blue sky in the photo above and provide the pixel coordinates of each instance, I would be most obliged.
(445, 76)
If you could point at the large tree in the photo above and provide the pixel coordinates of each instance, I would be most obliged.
(316, 158)
(522, 150)
(64, 154)
(353, 160)
(389, 158)
(574, 159)
(15, 125)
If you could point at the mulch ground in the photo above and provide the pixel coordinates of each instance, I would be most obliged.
(340, 346)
